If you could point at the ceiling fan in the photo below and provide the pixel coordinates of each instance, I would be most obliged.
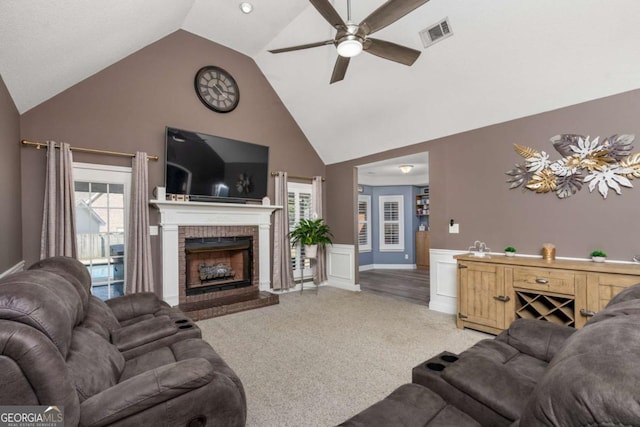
(351, 39)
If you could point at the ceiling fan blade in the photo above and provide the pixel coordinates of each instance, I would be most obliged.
(302, 46)
(391, 51)
(329, 13)
(389, 13)
(340, 69)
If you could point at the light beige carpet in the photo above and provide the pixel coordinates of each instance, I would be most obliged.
(316, 360)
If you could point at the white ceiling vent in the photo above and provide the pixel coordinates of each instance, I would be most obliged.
(436, 32)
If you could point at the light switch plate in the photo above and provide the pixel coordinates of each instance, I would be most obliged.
(153, 230)
(454, 229)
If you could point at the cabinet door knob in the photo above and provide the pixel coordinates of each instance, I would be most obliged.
(542, 281)
(503, 298)
(587, 313)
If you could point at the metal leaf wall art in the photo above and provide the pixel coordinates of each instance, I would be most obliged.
(603, 165)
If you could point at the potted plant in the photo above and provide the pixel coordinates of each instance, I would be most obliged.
(510, 251)
(311, 233)
(598, 256)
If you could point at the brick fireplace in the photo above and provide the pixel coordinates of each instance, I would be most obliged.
(216, 257)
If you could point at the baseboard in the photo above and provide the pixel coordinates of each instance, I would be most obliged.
(344, 285)
(15, 269)
(387, 267)
(443, 307)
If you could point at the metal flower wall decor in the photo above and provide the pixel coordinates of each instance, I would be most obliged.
(603, 165)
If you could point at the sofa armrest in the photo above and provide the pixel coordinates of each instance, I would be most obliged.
(145, 391)
(491, 383)
(537, 338)
(143, 332)
(133, 305)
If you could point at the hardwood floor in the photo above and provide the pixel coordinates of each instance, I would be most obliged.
(408, 285)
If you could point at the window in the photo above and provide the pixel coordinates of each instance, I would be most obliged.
(102, 197)
(391, 223)
(364, 223)
(299, 205)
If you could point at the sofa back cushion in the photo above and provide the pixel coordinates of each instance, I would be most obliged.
(593, 380)
(100, 319)
(94, 364)
(72, 270)
(42, 300)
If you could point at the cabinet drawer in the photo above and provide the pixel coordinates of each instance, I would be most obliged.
(540, 279)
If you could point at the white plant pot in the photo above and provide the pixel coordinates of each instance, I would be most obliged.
(310, 251)
(598, 258)
(509, 254)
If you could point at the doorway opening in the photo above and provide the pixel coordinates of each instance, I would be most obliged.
(393, 227)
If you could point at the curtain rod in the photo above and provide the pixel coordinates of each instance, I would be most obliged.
(40, 145)
(307, 178)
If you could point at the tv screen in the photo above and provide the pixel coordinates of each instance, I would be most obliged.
(208, 167)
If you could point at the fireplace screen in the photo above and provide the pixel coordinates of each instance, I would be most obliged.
(217, 263)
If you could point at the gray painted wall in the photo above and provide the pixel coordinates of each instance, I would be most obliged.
(10, 208)
(127, 106)
(468, 184)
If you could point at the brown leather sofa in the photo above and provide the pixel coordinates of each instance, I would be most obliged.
(533, 374)
(124, 362)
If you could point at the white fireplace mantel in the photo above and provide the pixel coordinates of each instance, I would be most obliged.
(175, 214)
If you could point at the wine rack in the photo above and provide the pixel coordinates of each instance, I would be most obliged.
(555, 309)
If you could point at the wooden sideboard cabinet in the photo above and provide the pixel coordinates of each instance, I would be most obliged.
(422, 249)
(495, 290)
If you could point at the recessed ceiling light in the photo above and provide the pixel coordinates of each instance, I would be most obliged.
(246, 7)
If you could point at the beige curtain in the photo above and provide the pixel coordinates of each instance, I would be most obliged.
(139, 260)
(282, 270)
(59, 219)
(320, 270)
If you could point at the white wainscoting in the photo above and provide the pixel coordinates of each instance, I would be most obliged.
(341, 267)
(16, 268)
(443, 280)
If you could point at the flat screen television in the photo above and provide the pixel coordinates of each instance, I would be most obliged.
(212, 168)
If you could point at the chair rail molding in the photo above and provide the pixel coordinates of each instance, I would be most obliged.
(15, 269)
(443, 280)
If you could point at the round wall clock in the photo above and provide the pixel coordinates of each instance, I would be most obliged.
(217, 89)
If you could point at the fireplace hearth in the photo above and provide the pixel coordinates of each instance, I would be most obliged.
(218, 263)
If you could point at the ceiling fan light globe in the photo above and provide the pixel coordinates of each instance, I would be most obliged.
(349, 48)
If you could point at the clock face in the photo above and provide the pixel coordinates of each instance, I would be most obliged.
(217, 89)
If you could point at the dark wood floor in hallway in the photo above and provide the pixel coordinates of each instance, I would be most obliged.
(407, 285)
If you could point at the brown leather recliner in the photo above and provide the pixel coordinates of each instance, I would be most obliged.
(49, 356)
(134, 323)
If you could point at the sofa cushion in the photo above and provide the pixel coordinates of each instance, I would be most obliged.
(541, 340)
(72, 270)
(134, 305)
(411, 405)
(492, 383)
(593, 380)
(42, 300)
(94, 364)
(100, 319)
(143, 332)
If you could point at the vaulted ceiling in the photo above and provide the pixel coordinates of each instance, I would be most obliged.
(506, 59)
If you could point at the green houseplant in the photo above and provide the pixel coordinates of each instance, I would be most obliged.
(310, 233)
(598, 256)
(510, 251)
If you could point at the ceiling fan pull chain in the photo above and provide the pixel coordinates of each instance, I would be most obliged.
(348, 10)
